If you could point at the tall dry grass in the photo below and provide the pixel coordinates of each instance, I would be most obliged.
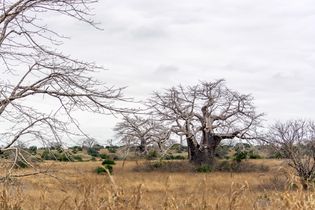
(75, 186)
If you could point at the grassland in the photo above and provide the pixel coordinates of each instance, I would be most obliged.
(76, 186)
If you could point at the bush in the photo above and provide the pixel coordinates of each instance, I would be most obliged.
(104, 156)
(222, 151)
(224, 165)
(277, 155)
(4, 154)
(109, 168)
(240, 155)
(33, 150)
(174, 157)
(77, 158)
(21, 164)
(204, 168)
(152, 155)
(165, 166)
(100, 170)
(108, 162)
(97, 147)
(253, 155)
(93, 152)
(64, 157)
(234, 166)
(112, 149)
(48, 155)
(75, 149)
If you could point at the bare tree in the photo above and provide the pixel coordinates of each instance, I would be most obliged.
(89, 143)
(35, 71)
(206, 114)
(141, 132)
(295, 139)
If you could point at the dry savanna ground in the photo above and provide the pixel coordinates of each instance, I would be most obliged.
(76, 186)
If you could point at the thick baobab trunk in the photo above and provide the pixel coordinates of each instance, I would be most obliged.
(143, 147)
(205, 152)
(203, 156)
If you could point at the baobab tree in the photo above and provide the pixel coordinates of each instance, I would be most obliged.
(206, 114)
(41, 89)
(141, 132)
(295, 139)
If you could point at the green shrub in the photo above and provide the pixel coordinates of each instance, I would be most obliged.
(108, 162)
(93, 152)
(75, 149)
(56, 146)
(98, 147)
(64, 157)
(56, 155)
(222, 151)
(157, 164)
(77, 158)
(112, 149)
(109, 168)
(234, 166)
(277, 155)
(204, 168)
(224, 165)
(253, 155)
(178, 148)
(21, 164)
(93, 159)
(48, 155)
(152, 155)
(100, 170)
(165, 166)
(33, 150)
(104, 156)
(4, 154)
(240, 155)
(174, 157)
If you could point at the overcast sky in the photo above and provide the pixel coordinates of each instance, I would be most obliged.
(266, 48)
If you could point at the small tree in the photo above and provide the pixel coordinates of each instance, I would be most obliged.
(142, 132)
(88, 143)
(33, 150)
(295, 139)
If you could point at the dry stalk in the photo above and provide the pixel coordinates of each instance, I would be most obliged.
(235, 195)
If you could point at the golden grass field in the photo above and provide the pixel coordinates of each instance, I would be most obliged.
(76, 186)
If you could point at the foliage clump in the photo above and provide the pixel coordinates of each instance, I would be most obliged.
(107, 165)
(205, 168)
(152, 155)
(63, 156)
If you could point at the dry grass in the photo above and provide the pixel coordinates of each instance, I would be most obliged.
(79, 188)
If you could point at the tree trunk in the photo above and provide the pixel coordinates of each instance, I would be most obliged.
(204, 153)
(203, 156)
(143, 147)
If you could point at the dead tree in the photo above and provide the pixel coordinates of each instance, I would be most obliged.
(206, 114)
(295, 140)
(33, 70)
(141, 132)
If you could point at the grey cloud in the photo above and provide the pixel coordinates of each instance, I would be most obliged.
(166, 69)
(265, 48)
(148, 32)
